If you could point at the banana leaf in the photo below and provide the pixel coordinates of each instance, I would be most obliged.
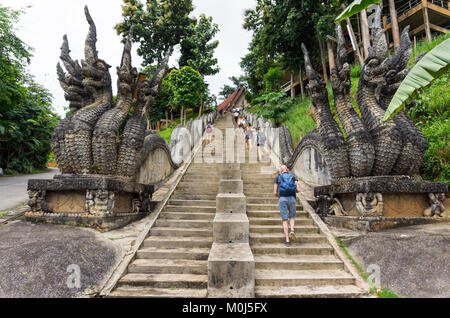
(354, 8)
(430, 67)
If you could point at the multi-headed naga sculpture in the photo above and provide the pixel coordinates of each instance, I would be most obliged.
(372, 147)
(87, 142)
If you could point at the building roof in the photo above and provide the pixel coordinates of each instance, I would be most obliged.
(231, 100)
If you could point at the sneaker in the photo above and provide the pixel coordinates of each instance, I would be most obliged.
(287, 244)
(292, 235)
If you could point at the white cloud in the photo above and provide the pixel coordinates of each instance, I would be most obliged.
(44, 23)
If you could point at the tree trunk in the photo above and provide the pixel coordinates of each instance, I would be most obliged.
(302, 89)
(330, 54)
(185, 117)
(352, 35)
(365, 33)
(182, 116)
(292, 86)
(394, 24)
(426, 20)
(167, 119)
(171, 115)
(322, 58)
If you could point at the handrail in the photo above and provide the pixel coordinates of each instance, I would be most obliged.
(414, 3)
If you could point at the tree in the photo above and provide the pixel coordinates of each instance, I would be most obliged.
(273, 79)
(14, 56)
(226, 91)
(186, 85)
(197, 50)
(26, 116)
(159, 25)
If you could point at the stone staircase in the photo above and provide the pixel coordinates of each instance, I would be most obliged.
(308, 268)
(173, 260)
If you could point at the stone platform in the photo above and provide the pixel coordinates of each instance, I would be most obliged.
(382, 197)
(96, 201)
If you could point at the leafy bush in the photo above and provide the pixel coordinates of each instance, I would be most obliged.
(273, 78)
(272, 106)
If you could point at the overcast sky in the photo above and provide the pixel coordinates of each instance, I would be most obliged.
(44, 23)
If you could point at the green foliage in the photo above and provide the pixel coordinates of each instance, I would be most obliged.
(26, 131)
(273, 78)
(298, 120)
(197, 50)
(14, 56)
(26, 117)
(354, 8)
(159, 25)
(226, 91)
(186, 86)
(272, 106)
(429, 68)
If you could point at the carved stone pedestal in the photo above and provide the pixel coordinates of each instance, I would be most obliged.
(381, 196)
(88, 200)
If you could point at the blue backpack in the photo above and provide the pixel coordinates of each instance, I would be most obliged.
(286, 186)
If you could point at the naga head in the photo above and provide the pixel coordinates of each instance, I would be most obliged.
(72, 81)
(397, 63)
(127, 74)
(96, 71)
(316, 86)
(340, 75)
(376, 64)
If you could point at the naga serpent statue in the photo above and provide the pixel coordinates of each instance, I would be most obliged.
(88, 141)
(372, 147)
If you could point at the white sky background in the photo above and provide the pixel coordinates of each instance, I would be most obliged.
(43, 25)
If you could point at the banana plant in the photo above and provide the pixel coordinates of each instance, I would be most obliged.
(430, 67)
(354, 8)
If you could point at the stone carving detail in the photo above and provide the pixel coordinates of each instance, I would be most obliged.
(369, 204)
(87, 141)
(436, 207)
(337, 209)
(100, 202)
(37, 201)
(373, 147)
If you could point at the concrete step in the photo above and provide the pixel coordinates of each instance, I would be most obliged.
(188, 224)
(173, 253)
(270, 229)
(294, 249)
(165, 280)
(146, 292)
(256, 200)
(267, 207)
(187, 216)
(297, 262)
(178, 242)
(180, 232)
(279, 238)
(183, 195)
(337, 291)
(275, 223)
(192, 202)
(168, 266)
(274, 214)
(190, 209)
(264, 277)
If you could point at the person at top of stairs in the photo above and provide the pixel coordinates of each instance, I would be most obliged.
(285, 188)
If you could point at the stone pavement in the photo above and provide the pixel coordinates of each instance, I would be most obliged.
(413, 261)
(13, 189)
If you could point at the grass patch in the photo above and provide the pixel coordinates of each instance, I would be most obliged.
(375, 290)
(2, 214)
(167, 132)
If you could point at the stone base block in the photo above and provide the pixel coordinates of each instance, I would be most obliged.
(231, 228)
(231, 203)
(231, 271)
(231, 186)
(382, 196)
(88, 200)
(231, 174)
